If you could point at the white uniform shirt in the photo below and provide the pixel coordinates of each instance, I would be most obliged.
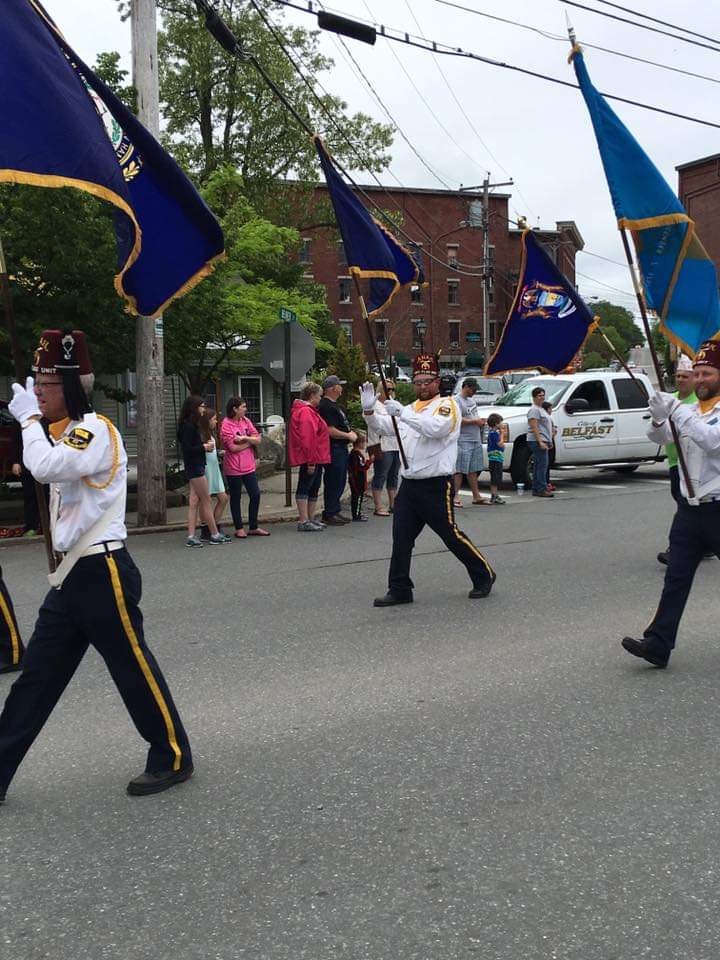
(387, 444)
(84, 452)
(700, 443)
(429, 432)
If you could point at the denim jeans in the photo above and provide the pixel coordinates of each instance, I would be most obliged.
(386, 469)
(540, 465)
(235, 485)
(308, 484)
(335, 474)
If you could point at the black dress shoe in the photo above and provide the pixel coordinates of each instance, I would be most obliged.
(478, 593)
(642, 649)
(10, 667)
(334, 521)
(392, 599)
(662, 557)
(148, 783)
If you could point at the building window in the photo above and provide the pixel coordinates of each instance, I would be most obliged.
(344, 289)
(347, 328)
(416, 293)
(491, 294)
(250, 389)
(452, 254)
(130, 384)
(342, 259)
(381, 333)
(453, 292)
(416, 338)
(454, 334)
(305, 251)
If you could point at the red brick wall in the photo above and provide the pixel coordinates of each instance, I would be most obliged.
(433, 220)
(699, 192)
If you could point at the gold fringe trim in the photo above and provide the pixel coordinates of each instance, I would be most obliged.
(576, 49)
(132, 307)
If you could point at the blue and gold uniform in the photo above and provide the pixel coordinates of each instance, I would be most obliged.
(96, 589)
(11, 646)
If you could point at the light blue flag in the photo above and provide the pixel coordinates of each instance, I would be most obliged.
(679, 279)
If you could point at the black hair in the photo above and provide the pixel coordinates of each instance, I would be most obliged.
(494, 420)
(190, 410)
(77, 402)
(538, 390)
(547, 406)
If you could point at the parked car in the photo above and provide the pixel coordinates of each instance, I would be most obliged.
(490, 389)
(517, 376)
(601, 417)
(8, 442)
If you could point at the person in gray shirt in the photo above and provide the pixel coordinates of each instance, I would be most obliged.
(470, 451)
(539, 439)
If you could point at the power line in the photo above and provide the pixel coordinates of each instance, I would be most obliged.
(646, 16)
(642, 26)
(585, 43)
(434, 46)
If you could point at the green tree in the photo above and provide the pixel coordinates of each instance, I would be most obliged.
(348, 363)
(613, 316)
(593, 359)
(220, 112)
(220, 321)
(597, 344)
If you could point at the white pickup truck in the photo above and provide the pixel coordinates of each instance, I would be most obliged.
(601, 418)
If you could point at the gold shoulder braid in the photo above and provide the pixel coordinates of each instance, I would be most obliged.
(115, 441)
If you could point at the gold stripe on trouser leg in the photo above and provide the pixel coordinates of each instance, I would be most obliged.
(14, 638)
(140, 657)
(461, 536)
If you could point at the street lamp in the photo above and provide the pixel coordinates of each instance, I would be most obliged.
(421, 329)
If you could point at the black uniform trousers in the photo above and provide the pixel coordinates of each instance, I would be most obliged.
(430, 502)
(695, 531)
(98, 605)
(11, 646)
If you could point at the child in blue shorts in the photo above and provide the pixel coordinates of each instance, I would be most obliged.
(496, 456)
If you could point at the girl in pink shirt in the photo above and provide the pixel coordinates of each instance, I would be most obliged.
(240, 440)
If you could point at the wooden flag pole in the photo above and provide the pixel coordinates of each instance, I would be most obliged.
(381, 371)
(656, 362)
(19, 368)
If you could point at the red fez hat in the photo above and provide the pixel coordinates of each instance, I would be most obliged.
(708, 355)
(62, 351)
(426, 363)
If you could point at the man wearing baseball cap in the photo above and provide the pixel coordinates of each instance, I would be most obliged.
(696, 527)
(335, 472)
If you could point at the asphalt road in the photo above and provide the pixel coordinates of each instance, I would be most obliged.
(491, 779)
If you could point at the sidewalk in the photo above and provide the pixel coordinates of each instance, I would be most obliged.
(272, 510)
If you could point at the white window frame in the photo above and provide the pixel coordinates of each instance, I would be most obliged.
(349, 280)
(347, 328)
(239, 379)
(456, 285)
(455, 344)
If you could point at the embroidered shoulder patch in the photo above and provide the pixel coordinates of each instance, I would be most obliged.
(79, 438)
(445, 409)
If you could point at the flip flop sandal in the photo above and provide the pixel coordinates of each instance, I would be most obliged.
(381, 513)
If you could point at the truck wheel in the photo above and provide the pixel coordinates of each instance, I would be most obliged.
(521, 465)
(630, 468)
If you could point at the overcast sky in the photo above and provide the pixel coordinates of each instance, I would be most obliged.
(535, 132)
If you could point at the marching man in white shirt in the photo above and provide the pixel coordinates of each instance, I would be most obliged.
(695, 530)
(96, 588)
(429, 430)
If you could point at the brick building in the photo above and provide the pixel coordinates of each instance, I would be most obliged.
(699, 192)
(446, 227)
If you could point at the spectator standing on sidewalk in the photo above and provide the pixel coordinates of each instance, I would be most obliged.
(358, 466)
(240, 439)
(309, 448)
(548, 408)
(496, 456)
(335, 472)
(386, 457)
(194, 453)
(216, 484)
(470, 452)
(539, 440)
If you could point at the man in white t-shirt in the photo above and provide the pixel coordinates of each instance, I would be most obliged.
(539, 439)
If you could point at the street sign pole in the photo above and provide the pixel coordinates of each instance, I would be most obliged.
(286, 411)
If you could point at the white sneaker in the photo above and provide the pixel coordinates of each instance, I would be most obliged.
(219, 538)
(193, 542)
(317, 524)
(307, 527)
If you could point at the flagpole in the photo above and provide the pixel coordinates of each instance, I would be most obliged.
(19, 371)
(381, 371)
(656, 362)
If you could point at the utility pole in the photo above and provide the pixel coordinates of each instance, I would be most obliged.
(487, 267)
(149, 353)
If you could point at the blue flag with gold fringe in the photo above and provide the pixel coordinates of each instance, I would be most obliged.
(548, 322)
(679, 279)
(371, 251)
(61, 126)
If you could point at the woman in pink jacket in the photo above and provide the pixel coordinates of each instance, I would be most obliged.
(309, 446)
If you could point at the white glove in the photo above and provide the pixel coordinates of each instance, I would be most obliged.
(393, 408)
(24, 402)
(662, 405)
(367, 397)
